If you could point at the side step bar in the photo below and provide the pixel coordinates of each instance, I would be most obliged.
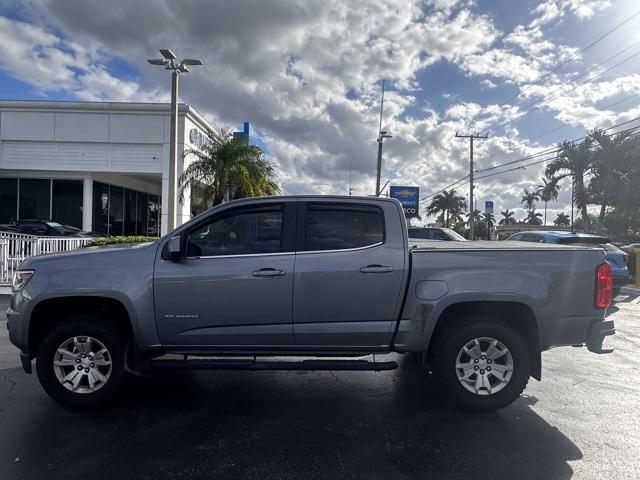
(232, 364)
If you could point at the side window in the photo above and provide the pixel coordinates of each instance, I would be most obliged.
(440, 235)
(517, 238)
(238, 233)
(337, 227)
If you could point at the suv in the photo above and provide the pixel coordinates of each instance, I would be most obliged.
(616, 257)
(435, 233)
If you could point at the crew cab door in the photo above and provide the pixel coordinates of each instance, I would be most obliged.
(233, 287)
(350, 270)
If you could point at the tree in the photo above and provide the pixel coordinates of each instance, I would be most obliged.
(508, 218)
(562, 220)
(612, 163)
(548, 190)
(227, 167)
(574, 161)
(529, 199)
(448, 204)
(533, 218)
(489, 219)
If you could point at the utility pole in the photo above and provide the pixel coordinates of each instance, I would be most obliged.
(382, 134)
(471, 137)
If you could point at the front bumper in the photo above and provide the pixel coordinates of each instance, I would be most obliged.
(18, 336)
(620, 281)
(597, 333)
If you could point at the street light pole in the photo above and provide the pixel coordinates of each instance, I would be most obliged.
(471, 171)
(169, 62)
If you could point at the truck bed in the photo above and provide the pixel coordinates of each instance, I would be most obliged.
(417, 246)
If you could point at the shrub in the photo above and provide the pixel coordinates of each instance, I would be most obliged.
(120, 239)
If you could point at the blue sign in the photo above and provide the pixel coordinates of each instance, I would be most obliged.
(409, 197)
(488, 206)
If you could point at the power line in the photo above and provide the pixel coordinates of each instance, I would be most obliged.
(530, 107)
(464, 180)
(573, 57)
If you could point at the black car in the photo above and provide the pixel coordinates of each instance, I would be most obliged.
(43, 228)
(435, 233)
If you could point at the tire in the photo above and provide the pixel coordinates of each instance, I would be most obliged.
(107, 371)
(448, 353)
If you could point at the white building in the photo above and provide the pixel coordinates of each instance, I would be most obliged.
(101, 167)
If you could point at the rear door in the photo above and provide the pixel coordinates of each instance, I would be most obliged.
(350, 267)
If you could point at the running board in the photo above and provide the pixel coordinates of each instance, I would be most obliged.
(233, 364)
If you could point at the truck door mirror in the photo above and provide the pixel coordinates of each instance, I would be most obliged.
(174, 248)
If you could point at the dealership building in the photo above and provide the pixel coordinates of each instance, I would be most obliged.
(101, 167)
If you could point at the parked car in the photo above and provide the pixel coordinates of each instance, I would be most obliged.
(222, 287)
(43, 228)
(616, 257)
(435, 233)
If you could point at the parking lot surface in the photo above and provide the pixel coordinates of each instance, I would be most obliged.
(582, 421)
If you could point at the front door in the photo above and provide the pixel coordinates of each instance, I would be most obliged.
(349, 275)
(234, 286)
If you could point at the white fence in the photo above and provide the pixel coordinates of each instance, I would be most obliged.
(15, 247)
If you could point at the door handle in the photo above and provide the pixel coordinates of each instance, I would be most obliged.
(376, 269)
(268, 272)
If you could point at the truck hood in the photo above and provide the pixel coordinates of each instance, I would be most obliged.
(88, 256)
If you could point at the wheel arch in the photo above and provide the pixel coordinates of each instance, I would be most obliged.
(518, 315)
(50, 312)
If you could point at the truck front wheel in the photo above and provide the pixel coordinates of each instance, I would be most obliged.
(81, 363)
(481, 362)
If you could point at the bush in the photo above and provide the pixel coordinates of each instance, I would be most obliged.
(119, 240)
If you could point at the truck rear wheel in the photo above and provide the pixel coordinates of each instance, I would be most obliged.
(481, 362)
(81, 363)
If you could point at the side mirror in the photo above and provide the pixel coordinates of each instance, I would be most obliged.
(174, 248)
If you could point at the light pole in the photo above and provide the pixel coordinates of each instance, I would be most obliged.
(381, 136)
(170, 62)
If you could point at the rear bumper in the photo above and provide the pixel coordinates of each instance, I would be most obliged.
(597, 333)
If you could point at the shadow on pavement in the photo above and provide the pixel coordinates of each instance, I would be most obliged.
(276, 425)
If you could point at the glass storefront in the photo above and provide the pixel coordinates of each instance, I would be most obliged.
(66, 202)
(121, 211)
(116, 210)
(41, 199)
(35, 199)
(8, 199)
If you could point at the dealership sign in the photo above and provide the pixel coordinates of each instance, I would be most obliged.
(198, 138)
(408, 197)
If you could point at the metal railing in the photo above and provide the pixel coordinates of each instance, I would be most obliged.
(16, 247)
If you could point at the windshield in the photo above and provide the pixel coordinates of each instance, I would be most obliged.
(584, 241)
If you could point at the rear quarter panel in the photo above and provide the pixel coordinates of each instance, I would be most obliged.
(556, 285)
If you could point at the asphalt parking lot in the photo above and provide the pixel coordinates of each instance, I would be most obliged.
(582, 421)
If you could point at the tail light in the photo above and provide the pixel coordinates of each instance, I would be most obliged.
(604, 285)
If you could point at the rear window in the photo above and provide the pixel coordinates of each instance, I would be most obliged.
(337, 227)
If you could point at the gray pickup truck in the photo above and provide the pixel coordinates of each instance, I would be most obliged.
(253, 283)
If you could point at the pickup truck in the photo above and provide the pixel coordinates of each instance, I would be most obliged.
(306, 282)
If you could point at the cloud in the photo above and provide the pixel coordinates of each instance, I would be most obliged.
(307, 74)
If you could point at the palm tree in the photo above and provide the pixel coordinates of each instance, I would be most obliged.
(562, 220)
(448, 204)
(610, 165)
(508, 218)
(489, 219)
(574, 161)
(475, 216)
(533, 218)
(548, 190)
(529, 199)
(225, 168)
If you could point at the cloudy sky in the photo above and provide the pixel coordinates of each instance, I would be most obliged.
(307, 75)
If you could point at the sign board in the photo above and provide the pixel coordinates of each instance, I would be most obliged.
(198, 138)
(488, 206)
(409, 197)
